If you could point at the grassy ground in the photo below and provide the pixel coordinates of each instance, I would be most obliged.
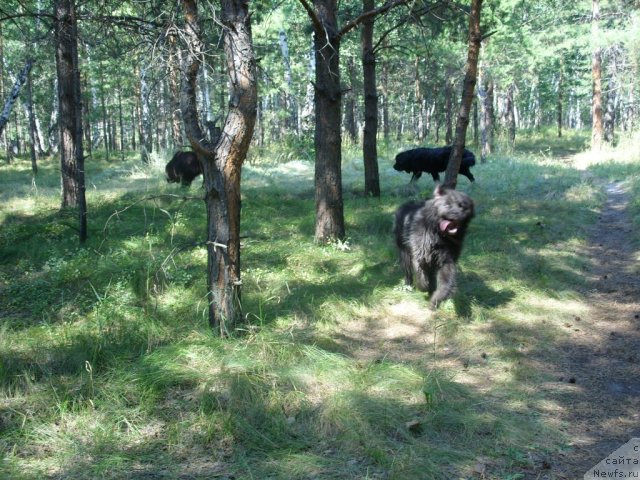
(108, 368)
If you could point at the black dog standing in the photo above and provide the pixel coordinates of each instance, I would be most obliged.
(433, 161)
(183, 168)
(429, 236)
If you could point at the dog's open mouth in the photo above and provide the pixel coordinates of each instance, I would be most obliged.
(448, 226)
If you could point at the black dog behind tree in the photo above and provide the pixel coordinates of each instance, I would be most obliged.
(433, 161)
(429, 236)
(183, 168)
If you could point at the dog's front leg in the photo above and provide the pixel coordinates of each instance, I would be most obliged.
(446, 284)
(422, 277)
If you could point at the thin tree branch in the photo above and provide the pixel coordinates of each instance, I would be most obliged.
(313, 15)
(350, 25)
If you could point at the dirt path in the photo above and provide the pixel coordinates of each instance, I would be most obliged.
(601, 409)
(595, 370)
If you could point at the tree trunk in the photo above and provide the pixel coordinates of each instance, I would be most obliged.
(103, 109)
(13, 96)
(350, 103)
(596, 74)
(475, 38)
(448, 109)
(511, 116)
(32, 126)
(328, 135)
(328, 98)
(3, 131)
(560, 97)
(54, 129)
(386, 125)
(419, 101)
(133, 127)
(291, 105)
(121, 122)
(307, 116)
(86, 114)
(223, 157)
(476, 133)
(146, 140)
(173, 67)
(70, 121)
(612, 99)
(369, 143)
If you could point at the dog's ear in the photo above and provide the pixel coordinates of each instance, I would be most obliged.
(439, 191)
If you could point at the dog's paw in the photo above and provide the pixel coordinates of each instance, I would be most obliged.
(404, 288)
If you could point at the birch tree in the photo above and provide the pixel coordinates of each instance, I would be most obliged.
(15, 92)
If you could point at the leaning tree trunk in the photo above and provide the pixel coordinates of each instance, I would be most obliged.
(597, 129)
(70, 104)
(475, 38)
(369, 142)
(222, 158)
(13, 96)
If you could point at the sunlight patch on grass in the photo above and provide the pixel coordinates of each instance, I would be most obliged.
(337, 372)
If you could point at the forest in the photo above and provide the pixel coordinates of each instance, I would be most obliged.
(254, 324)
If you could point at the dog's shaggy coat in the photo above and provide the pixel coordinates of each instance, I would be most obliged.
(429, 236)
(183, 168)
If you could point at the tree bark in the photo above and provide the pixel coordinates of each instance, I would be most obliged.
(386, 124)
(290, 103)
(103, 110)
(307, 115)
(15, 91)
(475, 38)
(369, 143)
(70, 118)
(222, 158)
(3, 131)
(612, 98)
(32, 126)
(173, 67)
(596, 74)
(560, 97)
(328, 104)
(511, 116)
(328, 135)
(146, 138)
(350, 103)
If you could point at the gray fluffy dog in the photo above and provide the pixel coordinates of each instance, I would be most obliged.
(429, 236)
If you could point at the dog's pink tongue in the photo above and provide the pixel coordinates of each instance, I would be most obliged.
(448, 226)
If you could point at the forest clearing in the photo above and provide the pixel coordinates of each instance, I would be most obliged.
(253, 322)
(110, 369)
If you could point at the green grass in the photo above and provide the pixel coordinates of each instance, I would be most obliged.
(108, 368)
